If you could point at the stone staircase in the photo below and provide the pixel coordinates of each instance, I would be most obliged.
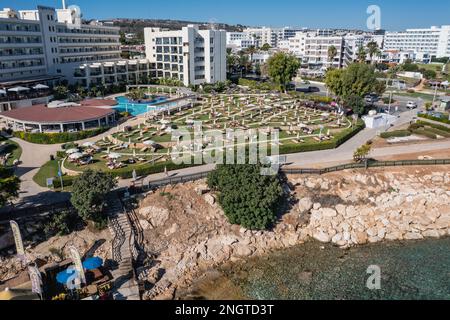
(125, 284)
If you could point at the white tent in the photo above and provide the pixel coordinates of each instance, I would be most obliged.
(74, 150)
(88, 144)
(2, 91)
(149, 142)
(114, 156)
(76, 156)
(18, 89)
(40, 86)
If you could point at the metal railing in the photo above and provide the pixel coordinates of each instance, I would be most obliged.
(368, 164)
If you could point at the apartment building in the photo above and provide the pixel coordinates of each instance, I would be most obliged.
(191, 55)
(238, 41)
(48, 41)
(270, 36)
(434, 41)
(312, 47)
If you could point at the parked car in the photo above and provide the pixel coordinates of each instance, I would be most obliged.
(371, 98)
(411, 105)
(307, 89)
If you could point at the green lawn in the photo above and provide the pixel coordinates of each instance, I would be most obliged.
(48, 170)
(14, 149)
(423, 96)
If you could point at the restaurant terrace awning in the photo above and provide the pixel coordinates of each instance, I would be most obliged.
(18, 89)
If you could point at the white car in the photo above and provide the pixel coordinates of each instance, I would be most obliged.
(411, 105)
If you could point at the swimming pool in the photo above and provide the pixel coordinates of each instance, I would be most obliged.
(135, 109)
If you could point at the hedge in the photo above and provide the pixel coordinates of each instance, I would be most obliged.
(395, 134)
(432, 125)
(61, 137)
(441, 133)
(287, 149)
(425, 132)
(426, 116)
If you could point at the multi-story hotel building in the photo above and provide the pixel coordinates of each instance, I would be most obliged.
(271, 36)
(46, 42)
(240, 40)
(434, 41)
(190, 55)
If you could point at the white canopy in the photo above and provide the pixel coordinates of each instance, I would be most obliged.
(74, 150)
(2, 91)
(88, 144)
(149, 142)
(40, 86)
(76, 156)
(18, 89)
(114, 156)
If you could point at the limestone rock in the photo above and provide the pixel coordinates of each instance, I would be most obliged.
(305, 205)
(210, 199)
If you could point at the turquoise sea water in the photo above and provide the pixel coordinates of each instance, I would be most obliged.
(411, 270)
(135, 109)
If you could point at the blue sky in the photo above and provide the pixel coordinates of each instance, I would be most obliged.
(396, 14)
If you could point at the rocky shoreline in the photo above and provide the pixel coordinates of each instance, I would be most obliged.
(188, 234)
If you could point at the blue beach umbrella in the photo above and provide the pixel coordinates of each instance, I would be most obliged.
(63, 276)
(92, 263)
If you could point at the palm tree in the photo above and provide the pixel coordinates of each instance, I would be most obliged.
(251, 51)
(361, 54)
(372, 48)
(332, 53)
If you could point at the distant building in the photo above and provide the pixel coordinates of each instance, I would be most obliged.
(190, 55)
(434, 41)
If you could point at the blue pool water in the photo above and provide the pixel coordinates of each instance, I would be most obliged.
(135, 109)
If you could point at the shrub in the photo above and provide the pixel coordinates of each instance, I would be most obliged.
(55, 138)
(60, 224)
(432, 125)
(424, 132)
(248, 198)
(429, 117)
(395, 134)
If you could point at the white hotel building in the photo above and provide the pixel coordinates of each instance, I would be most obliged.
(47, 42)
(434, 41)
(190, 55)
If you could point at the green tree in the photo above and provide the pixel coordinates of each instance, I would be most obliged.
(266, 47)
(60, 92)
(357, 104)
(362, 152)
(136, 94)
(358, 79)
(282, 68)
(332, 53)
(89, 193)
(361, 55)
(333, 81)
(9, 186)
(372, 50)
(248, 198)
